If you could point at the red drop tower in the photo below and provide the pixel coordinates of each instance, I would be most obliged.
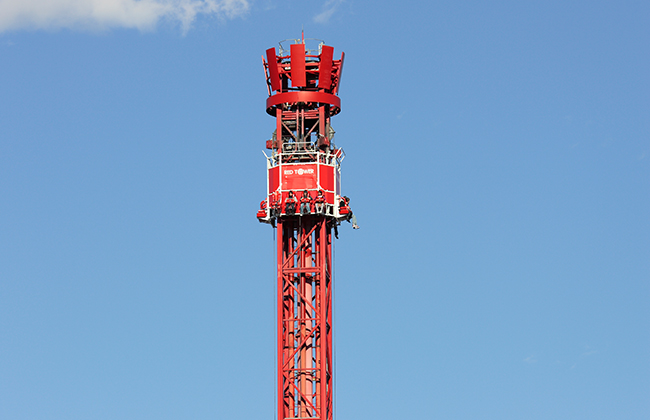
(304, 201)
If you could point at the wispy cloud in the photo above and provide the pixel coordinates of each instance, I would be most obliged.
(531, 359)
(329, 8)
(106, 14)
(588, 352)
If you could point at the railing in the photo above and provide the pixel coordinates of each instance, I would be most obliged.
(293, 154)
(285, 52)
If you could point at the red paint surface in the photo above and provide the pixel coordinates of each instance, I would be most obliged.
(298, 71)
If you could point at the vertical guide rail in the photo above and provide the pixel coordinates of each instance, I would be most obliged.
(326, 391)
(281, 238)
(304, 318)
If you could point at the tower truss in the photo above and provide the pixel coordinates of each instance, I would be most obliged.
(305, 318)
(304, 203)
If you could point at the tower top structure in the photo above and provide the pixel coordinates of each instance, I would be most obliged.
(299, 74)
(303, 81)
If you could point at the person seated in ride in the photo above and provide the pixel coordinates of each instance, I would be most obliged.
(290, 204)
(319, 202)
(305, 203)
(345, 201)
(275, 205)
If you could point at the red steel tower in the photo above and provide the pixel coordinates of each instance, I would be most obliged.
(304, 202)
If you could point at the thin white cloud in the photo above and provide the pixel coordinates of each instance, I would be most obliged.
(329, 8)
(531, 359)
(106, 14)
(588, 352)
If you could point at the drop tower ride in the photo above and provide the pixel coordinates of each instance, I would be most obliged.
(304, 202)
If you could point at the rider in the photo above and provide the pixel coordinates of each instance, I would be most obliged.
(319, 202)
(305, 203)
(346, 202)
(290, 204)
(275, 205)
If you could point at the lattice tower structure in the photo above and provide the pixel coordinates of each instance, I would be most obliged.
(304, 203)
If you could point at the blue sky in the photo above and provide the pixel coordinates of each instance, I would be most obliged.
(498, 160)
